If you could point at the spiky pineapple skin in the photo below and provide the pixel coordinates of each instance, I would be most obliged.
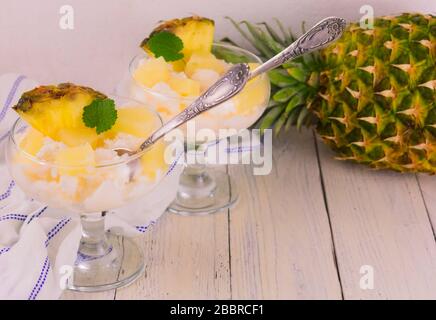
(372, 92)
(53, 92)
(378, 94)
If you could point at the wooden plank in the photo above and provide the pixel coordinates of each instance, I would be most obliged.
(186, 258)
(281, 246)
(427, 184)
(379, 219)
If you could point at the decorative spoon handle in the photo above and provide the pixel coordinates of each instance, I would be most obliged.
(324, 32)
(224, 89)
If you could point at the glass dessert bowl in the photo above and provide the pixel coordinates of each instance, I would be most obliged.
(169, 87)
(82, 175)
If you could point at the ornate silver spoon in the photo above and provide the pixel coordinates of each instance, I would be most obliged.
(234, 80)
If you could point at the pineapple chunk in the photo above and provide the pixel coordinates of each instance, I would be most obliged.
(32, 142)
(178, 66)
(152, 71)
(135, 120)
(75, 160)
(184, 86)
(79, 136)
(204, 61)
(153, 161)
(253, 65)
(254, 95)
(164, 111)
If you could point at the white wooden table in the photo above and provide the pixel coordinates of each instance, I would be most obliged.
(305, 230)
(310, 230)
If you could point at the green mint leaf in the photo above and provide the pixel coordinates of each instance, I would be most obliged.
(167, 45)
(100, 114)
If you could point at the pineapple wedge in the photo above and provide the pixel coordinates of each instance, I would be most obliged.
(197, 34)
(56, 111)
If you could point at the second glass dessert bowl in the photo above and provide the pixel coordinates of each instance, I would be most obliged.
(169, 89)
(88, 182)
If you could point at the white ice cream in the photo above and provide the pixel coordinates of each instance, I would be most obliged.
(93, 190)
(169, 103)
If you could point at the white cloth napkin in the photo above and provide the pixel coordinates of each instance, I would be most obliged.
(36, 241)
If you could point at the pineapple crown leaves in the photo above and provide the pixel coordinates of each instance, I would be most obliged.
(295, 84)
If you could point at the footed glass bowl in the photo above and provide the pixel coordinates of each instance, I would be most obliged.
(204, 190)
(90, 191)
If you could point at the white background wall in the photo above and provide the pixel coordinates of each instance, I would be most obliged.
(107, 32)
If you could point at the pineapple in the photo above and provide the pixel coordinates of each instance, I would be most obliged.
(204, 61)
(56, 112)
(75, 160)
(134, 120)
(372, 93)
(152, 71)
(197, 34)
(185, 87)
(153, 161)
(253, 95)
(80, 135)
(32, 142)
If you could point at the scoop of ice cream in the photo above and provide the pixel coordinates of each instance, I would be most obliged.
(225, 108)
(206, 78)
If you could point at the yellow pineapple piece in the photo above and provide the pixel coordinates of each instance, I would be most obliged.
(153, 161)
(197, 34)
(184, 86)
(164, 111)
(152, 71)
(135, 120)
(253, 65)
(74, 137)
(178, 65)
(204, 61)
(75, 160)
(254, 94)
(32, 141)
(54, 109)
